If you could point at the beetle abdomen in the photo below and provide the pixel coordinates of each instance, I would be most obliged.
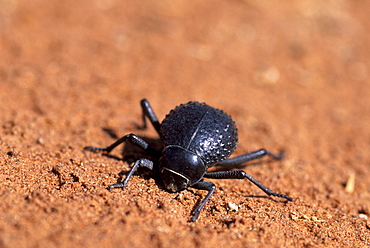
(207, 131)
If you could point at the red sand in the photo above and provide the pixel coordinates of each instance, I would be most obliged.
(293, 75)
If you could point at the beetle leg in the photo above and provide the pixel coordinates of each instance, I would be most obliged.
(143, 162)
(204, 186)
(251, 156)
(148, 112)
(132, 138)
(239, 174)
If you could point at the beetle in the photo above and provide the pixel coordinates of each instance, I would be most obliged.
(196, 137)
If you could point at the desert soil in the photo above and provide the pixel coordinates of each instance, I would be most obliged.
(293, 75)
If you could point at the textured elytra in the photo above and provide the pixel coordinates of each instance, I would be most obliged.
(202, 129)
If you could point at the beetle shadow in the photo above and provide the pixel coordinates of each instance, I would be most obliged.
(267, 197)
(111, 132)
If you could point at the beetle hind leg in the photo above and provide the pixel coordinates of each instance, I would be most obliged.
(251, 156)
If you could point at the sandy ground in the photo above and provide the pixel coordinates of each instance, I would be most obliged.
(293, 76)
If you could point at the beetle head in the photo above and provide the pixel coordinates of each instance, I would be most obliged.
(180, 168)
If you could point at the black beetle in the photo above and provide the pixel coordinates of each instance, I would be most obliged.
(195, 137)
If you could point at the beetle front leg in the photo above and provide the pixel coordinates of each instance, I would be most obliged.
(204, 186)
(133, 139)
(239, 174)
(143, 162)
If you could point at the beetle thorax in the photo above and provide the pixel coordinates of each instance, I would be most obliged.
(180, 168)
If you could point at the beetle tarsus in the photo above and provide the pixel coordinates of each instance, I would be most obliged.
(116, 185)
(94, 149)
(283, 196)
